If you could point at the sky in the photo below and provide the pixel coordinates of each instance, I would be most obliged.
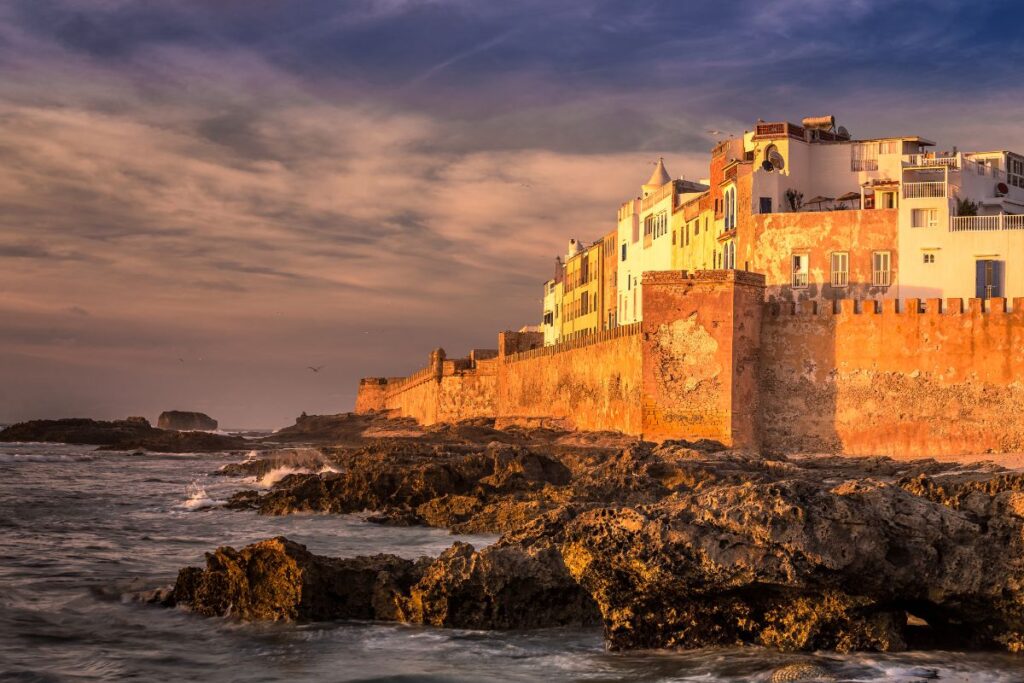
(201, 198)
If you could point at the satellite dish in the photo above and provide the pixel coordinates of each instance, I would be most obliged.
(1002, 189)
(776, 159)
(767, 166)
(843, 132)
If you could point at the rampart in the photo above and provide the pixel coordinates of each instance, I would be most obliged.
(712, 360)
(592, 384)
(908, 378)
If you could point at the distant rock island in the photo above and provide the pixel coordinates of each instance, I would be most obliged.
(135, 433)
(186, 421)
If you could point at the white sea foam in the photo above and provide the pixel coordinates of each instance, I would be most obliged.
(278, 473)
(198, 499)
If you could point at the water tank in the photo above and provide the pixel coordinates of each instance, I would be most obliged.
(819, 122)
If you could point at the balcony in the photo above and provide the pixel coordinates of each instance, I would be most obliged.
(927, 161)
(986, 223)
(924, 190)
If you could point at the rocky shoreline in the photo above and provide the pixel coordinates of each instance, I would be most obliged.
(671, 546)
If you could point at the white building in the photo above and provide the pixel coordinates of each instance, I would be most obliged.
(645, 237)
(945, 249)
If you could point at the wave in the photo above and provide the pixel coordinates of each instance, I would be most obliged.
(44, 457)
(198, 499)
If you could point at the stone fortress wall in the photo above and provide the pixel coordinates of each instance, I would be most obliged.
(712, 360)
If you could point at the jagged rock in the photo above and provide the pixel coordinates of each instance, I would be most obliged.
(298, 458)
(497, 588)
(676, 546)
(185, 421)
(279, 580)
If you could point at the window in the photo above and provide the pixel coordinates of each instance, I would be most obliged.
(730, 208)
(549, 318)
(864, 157)
(840, 269)
(584, 303)
(888, 200)
(924, 218)
(729, 256)
(988, 278)
(929, 258)
(1015, 172)
(800, 270)
(766, 205)
(623, 251)
(889, 147)
(880, 274)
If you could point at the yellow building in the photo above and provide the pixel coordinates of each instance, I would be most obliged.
(693, 228)
(582, 290)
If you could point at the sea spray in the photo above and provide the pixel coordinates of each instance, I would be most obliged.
(197, 498)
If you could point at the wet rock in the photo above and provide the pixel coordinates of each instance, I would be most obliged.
(163, 596)
(678, 546)
(279, 580)
(497, 588)
(183, 420)
(282, 459)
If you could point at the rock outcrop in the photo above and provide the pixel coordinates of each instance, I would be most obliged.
(186, 421)
(131, 434)
(279, 580)
(674, 546)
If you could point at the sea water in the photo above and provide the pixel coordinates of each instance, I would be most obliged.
(80, 530)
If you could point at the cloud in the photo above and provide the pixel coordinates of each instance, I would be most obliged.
(258, 184)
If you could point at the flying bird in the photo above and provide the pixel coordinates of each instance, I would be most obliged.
(317, 368)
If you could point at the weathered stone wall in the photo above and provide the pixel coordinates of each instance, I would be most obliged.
(700, 345)
(468, 393)
(372, 394)
(895, 382)
(589, 386)
(776, 237)
(415, 396)
(447, 390)
(712, 360)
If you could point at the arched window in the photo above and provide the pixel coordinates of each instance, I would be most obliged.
(730, 208)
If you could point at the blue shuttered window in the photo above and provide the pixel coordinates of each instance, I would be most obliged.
(988, 278)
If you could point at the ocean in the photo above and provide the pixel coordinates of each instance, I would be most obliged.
(81, 530)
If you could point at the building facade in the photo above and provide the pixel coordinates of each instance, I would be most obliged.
(824, 216)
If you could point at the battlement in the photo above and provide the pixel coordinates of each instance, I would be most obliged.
(573, 344)
(899, 307)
